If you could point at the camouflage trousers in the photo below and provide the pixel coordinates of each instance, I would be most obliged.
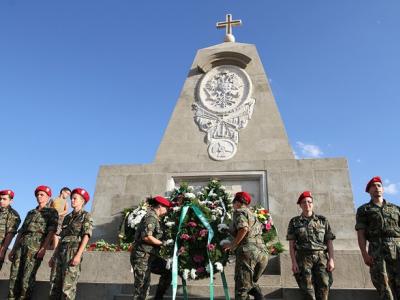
(313, 279)
(143, 265)
(23, 272)
(64, 277)
(251, 261)
(385, 272)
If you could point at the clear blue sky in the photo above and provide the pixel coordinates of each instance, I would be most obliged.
(94, 82)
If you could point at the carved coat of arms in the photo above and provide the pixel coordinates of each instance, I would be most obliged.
(223, 107)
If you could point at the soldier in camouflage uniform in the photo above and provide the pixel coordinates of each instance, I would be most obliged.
(9, 222)
(146, 247)
(311, 250)
(30, 246)
(378, 222)
(66, 261)
(249, 248)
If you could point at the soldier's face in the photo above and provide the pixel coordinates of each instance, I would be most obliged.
(306, 205)
(65, 194)
(163, 210)
(77, 201)
(42, 198)
(237, 205)
(5, 200)
(376, 190)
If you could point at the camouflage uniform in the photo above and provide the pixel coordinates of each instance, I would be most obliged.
(251, 253)
(382, 231)
(145, 256)
(311, 235)
(36, 226)
(64, 277)
(9, 222)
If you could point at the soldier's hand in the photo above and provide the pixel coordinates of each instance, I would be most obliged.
(295, 268)
(227, 247)
(40, 254)
(331, 265)
(368, 260)
(11, 255)
(75, 261)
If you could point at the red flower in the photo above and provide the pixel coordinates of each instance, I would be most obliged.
(211, 247)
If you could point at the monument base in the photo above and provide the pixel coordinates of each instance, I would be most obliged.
(107, 275)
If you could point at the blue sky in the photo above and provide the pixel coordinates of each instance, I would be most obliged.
(94, 82)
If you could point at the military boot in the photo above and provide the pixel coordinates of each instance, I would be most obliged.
(256, 293)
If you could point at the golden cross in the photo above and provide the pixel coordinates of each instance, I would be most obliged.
(228, 24)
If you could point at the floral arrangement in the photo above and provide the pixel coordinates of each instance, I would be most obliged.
(130, 220)
(269, 233)
(194, 252)
(102, 245)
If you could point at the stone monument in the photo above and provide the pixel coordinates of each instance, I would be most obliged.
(226, 125)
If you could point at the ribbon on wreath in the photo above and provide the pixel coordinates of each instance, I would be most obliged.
(204, 221)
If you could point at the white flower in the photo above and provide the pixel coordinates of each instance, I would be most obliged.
(190, 195)
(193, 273)
(199, 194)
(190, 188)
(185, 274)
(224, 242)
(176, 208)
(170, 224)
(222, 187)
(213, 217)
(219, 266)
(168, 264)
(169, 242)
(222, 227)
(212, 194)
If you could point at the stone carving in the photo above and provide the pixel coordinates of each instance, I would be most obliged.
(223, 107)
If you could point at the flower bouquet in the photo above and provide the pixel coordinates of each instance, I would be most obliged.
(130, 221)
(269, 233)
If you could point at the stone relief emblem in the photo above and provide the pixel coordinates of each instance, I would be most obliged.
(223, 107)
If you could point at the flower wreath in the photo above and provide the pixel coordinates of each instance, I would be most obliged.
(194, 251)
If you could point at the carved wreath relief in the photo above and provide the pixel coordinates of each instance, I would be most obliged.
(223, 107)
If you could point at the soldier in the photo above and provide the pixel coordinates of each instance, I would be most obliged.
(66, 261)
(311, 250)
(378, 223)
(249, 248)
(30, 245)
(9, 222)
(61, 205)
(146, 247)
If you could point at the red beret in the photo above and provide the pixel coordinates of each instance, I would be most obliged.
(7, 192)
(81, 192)
(242, 197)
(374, 179)
(163, 201)
(303, 195)
(43, 188)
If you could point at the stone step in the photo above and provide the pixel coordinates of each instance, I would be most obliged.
(129, 297)
(203, 291)
(265, 280)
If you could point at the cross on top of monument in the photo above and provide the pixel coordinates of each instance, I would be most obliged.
(228, 24)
